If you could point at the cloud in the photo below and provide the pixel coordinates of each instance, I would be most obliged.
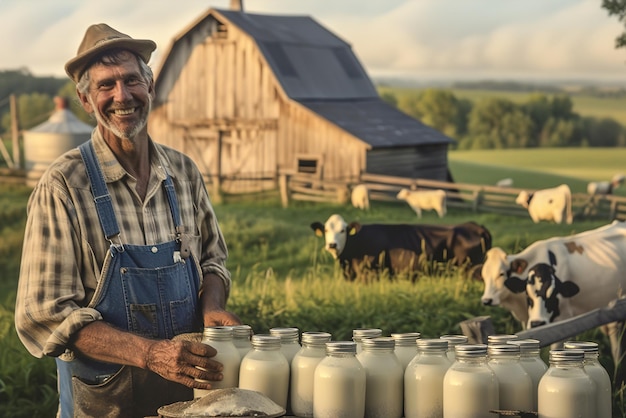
(421, 38)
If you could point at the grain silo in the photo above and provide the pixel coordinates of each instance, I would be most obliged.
(47, 141)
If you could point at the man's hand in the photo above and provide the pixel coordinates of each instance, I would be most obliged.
(220, 317)
(178, 361)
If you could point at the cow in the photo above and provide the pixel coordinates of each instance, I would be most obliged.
(505, 182)
(420, 200)
(504, 273)
(360, 197)
(400, 247)
(553, 204)
(603, 188)
(564, 277)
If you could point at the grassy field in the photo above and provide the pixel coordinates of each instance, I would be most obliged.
(282, 276)
(539, 168)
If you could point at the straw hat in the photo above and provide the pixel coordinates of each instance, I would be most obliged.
(100, 38)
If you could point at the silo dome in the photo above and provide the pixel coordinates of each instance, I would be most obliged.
(44, 143)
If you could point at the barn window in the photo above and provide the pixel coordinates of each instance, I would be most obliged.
(347, 63)
(307, 166)
(285, 67)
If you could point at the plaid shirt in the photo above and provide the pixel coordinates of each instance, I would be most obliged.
(65, 248)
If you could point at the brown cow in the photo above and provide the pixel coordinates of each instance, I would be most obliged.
(401, 247)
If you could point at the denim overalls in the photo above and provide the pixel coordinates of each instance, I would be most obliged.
(149, 290)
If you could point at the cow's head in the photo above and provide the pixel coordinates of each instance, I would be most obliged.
(523, 198)
(543, 288)
(403, 194)
(499, 275)
(335, 232)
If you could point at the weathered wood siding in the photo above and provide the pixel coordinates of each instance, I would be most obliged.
(427, 162)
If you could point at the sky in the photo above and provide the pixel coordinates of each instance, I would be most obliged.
(423, 40)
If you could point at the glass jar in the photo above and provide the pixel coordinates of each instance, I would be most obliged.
(530, 360)
(423, 379)
(453, 341)
(339, 383)
(241, 338)
(406, 347)
(501, 338)
(515, 386)
(289, 341)
(303, 371)
(221, 338)
(470, 387)
(360, 333)
(265, 369)
(599, 375)
(384, 378)
(566, 390)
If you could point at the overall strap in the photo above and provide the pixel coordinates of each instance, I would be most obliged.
(171, 197)
(102, 198)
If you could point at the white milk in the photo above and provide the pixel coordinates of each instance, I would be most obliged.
(531, 361)
(384, 378)
(241, 338)
(514, 384)
(339, 383)
(265, 369)
(303, 366)
(470, 387)
(565, 390)
(423, 380)
(598, 374)
(220, 338)
(406, 347)
(453, 341)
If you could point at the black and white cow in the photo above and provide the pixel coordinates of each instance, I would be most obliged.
(400, 247)
(505, 275)
(565, 278)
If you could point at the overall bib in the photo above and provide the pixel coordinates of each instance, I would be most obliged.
(149, 290)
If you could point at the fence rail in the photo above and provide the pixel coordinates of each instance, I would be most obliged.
(478, 198)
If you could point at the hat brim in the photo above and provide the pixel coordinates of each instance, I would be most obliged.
(77, 65)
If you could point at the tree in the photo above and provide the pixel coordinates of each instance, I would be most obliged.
(33, 109)
(499, 123)
(617, 8)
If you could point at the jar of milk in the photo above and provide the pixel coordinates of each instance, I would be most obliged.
(289, 341)
(470, 387)
(303, 371)
(265, 369)
(566, 390)
(423, 379)
(599, 375)
(241, 338)
(221, 338)
(384, 378)
(360, 333)
(514, 385)
(406, 347)
(530, 360)
(453, 340)
(339, 383)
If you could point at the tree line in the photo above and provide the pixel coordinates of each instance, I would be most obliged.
(542, 120)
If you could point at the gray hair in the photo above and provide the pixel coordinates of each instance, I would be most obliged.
(113, 57)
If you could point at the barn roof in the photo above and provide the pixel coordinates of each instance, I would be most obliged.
(315, 68)
(377, 123)
(309, 61)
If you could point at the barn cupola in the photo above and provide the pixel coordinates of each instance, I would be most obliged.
(236, 5)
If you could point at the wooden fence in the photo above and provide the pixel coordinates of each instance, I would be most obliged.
(478, 198)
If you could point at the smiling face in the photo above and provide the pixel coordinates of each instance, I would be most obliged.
(119, 97)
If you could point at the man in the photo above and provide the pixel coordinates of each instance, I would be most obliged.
(122, 251)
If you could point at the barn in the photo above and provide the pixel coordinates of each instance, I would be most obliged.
(248, 96)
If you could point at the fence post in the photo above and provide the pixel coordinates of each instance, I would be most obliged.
(283, 180)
